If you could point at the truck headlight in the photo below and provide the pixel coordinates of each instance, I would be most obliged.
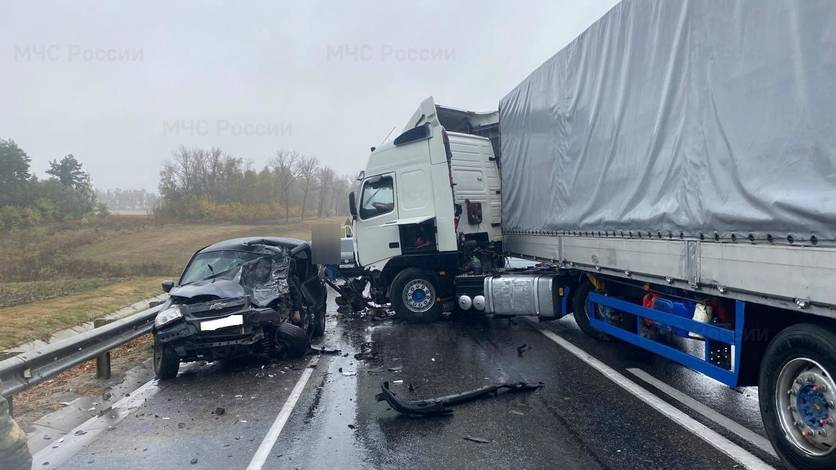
(168, 315)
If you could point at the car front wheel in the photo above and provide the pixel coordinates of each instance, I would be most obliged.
(166, 362)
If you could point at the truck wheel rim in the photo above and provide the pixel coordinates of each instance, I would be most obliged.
(805, 397)
(418, 295)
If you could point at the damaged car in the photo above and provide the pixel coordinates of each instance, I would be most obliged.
(241, 297)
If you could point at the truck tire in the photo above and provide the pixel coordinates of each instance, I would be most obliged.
(166, 362)
(292, 340)
(798, 395)
(579, 311)
(414, 296)
(319, 317)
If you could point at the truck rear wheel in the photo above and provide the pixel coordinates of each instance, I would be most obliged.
(414, 295)
(798, 395)
(580, 310)
(166, 362)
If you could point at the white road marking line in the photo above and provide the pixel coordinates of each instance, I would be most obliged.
(260, 457)
(700, 430)
(741, 431)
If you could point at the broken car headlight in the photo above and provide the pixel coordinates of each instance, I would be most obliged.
(168, 315)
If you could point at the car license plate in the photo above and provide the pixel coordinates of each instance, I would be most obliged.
(212, 325)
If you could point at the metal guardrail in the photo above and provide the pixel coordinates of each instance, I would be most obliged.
(25, 370)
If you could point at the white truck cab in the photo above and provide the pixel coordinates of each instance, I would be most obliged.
(425, 205)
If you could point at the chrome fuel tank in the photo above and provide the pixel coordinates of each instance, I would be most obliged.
(521, 294)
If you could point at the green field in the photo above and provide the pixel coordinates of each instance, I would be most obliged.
(56, 277)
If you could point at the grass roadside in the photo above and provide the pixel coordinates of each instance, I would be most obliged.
(169, 246)
(38, 320)
(18, 293)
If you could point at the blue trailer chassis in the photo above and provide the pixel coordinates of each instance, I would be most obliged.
(732, 337)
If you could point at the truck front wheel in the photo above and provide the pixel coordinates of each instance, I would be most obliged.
(798, 395)
(414, 295)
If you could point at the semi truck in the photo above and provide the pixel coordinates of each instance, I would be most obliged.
(671, 172)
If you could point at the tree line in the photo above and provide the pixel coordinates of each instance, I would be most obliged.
(210, 184)
(195, 185)
(26, 200)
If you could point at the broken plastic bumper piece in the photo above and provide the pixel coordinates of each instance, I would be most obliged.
(439, 405)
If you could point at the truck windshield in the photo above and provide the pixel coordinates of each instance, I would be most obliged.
(378, 197)
(215, 263)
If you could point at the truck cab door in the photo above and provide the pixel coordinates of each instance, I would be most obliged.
(376, 238)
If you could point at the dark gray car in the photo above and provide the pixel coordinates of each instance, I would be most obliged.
(247, 296)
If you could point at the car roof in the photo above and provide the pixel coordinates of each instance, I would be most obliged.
(251, 244)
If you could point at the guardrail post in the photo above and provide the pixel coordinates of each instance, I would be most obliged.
(103, 359)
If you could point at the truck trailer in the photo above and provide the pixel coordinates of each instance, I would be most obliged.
(671, 172)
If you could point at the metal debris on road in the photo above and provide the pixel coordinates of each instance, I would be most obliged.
(478, 440)
(438, 406)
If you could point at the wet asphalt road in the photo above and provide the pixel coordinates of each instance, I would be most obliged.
(579, 419)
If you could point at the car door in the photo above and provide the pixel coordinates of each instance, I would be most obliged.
(376, 211)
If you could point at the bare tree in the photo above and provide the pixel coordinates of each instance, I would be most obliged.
(286, 169)
(342, 186)
(307, 172)
(325, 178)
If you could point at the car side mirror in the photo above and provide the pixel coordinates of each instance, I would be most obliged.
(168, 285)
(352, 205)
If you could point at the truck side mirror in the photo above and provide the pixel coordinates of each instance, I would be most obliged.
(352, 205)
(168, 285)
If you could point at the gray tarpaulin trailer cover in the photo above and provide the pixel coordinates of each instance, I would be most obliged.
(692, 117)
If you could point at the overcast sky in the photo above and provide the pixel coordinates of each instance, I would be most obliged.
(121, 85)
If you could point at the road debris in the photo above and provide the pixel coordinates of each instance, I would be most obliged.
(521, 349)
(324, 350)
(368, 351)
(478, 440)
(439, 405)
(219, 411)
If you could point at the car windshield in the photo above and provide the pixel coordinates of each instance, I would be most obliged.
(212, 264)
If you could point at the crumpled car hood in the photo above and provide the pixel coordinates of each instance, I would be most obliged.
(221, 288)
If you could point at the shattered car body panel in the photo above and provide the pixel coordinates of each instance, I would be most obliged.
(242, 297)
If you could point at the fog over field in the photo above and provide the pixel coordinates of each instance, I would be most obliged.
(121, 86)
